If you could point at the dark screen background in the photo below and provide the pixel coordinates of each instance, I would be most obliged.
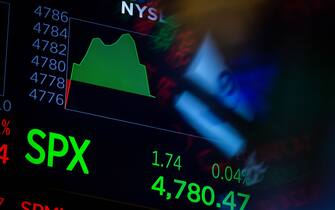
(284, 71)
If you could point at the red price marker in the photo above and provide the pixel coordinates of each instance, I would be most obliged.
(2, 199)
(3, 154)
(5, 127)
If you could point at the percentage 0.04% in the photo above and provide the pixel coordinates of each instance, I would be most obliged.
(228, 174)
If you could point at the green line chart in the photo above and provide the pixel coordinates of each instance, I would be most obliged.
(114, 66)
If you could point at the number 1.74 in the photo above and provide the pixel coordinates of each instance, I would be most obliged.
(166, 160)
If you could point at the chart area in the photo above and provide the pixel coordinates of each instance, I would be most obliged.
(107, 66)
(4, 20)
(110, 77)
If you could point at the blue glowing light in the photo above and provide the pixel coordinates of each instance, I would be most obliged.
(209, 72)
(200, 117)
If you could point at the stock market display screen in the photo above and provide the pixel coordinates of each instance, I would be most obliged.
(161, 104)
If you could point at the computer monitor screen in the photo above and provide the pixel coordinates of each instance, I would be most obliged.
(157, 104)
